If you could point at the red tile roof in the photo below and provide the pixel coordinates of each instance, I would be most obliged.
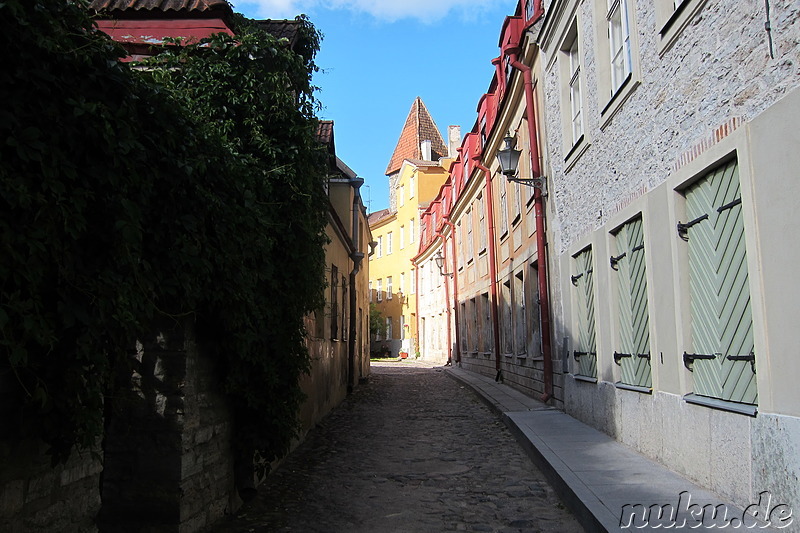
(419, 127)
(159, 5)
(377, 216)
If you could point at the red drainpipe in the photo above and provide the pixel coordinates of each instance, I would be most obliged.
(541, 243)
(492, 263)
(455, 292)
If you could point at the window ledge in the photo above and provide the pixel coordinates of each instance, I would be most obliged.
(619, 97)
(509, 355)
(676, 23)
(585, 379)
(722, 405)
(575, 153)
(634, 388)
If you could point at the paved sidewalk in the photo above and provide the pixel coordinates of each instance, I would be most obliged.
(597, 476)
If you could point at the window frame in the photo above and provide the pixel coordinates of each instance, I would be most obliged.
(573, 94)
(614, 89)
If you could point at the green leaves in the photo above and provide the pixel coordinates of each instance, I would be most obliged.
(193, 187)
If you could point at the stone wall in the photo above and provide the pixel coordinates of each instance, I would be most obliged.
(37, 497)
(168, 458)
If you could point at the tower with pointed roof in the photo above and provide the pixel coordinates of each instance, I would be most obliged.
(416, 171)
(420, 141)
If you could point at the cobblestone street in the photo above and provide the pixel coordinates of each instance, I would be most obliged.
(411, 451)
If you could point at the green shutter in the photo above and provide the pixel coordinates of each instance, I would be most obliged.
(634, 322)
(722, 323)
(586, 353)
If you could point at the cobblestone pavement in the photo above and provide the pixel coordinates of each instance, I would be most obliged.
(411, 451)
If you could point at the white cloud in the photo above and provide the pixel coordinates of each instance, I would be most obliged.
(382, 10)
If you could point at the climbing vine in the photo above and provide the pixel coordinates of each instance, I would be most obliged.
(193, 188)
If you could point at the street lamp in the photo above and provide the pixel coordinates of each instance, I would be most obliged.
(439, 258)
(508, 158)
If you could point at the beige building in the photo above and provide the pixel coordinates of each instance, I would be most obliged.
(338, 334)
(415, 173)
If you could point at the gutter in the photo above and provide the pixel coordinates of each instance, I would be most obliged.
(541, 242)
(357, 257)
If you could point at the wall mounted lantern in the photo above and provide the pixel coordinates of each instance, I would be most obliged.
(508, 158)
(439, 258)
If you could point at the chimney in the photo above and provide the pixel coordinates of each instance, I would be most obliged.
(453, 140)
(425, 148)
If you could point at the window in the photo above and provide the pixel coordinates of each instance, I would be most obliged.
(618, 72)
(673, 17)
(482, 222)
(402, 282)
(486, 323)
(413, 279)
(462, 319)
(389, 333)
(520, 326)
(380, 290)
(411, 234)
(575, 100)
(334, 302)
(345, 306)
(460, 244)
(722, 355)
(388, 287)
(402, 237)
(506, 328)
(370, 290)
(585, 352)
(389, 243)
(402, 327)
(470, 242)
(529, 8)
(619, 38)
(401, 195)
(503, 207)
(483, 131)
(411, 187)
(380, 246)
(633, 321)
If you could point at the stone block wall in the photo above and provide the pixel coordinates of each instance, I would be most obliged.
(168, 454)
(37, 497)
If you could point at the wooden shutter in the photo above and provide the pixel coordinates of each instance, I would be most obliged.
(585, 354)
(634, 320)
(722, 323)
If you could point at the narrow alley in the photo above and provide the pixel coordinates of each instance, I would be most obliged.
(412, 451)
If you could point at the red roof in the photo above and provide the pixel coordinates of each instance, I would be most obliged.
(153, 31)
(419, 127)
(160, 5)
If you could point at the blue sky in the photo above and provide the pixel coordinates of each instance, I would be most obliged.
(378, 55)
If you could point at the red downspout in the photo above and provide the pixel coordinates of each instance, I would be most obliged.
(447, 301)
(541, 243)
(492, 263)
(455, 292)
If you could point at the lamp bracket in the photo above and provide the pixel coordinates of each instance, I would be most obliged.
(539, 183)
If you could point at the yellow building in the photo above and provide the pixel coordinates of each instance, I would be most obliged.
(416, 173)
